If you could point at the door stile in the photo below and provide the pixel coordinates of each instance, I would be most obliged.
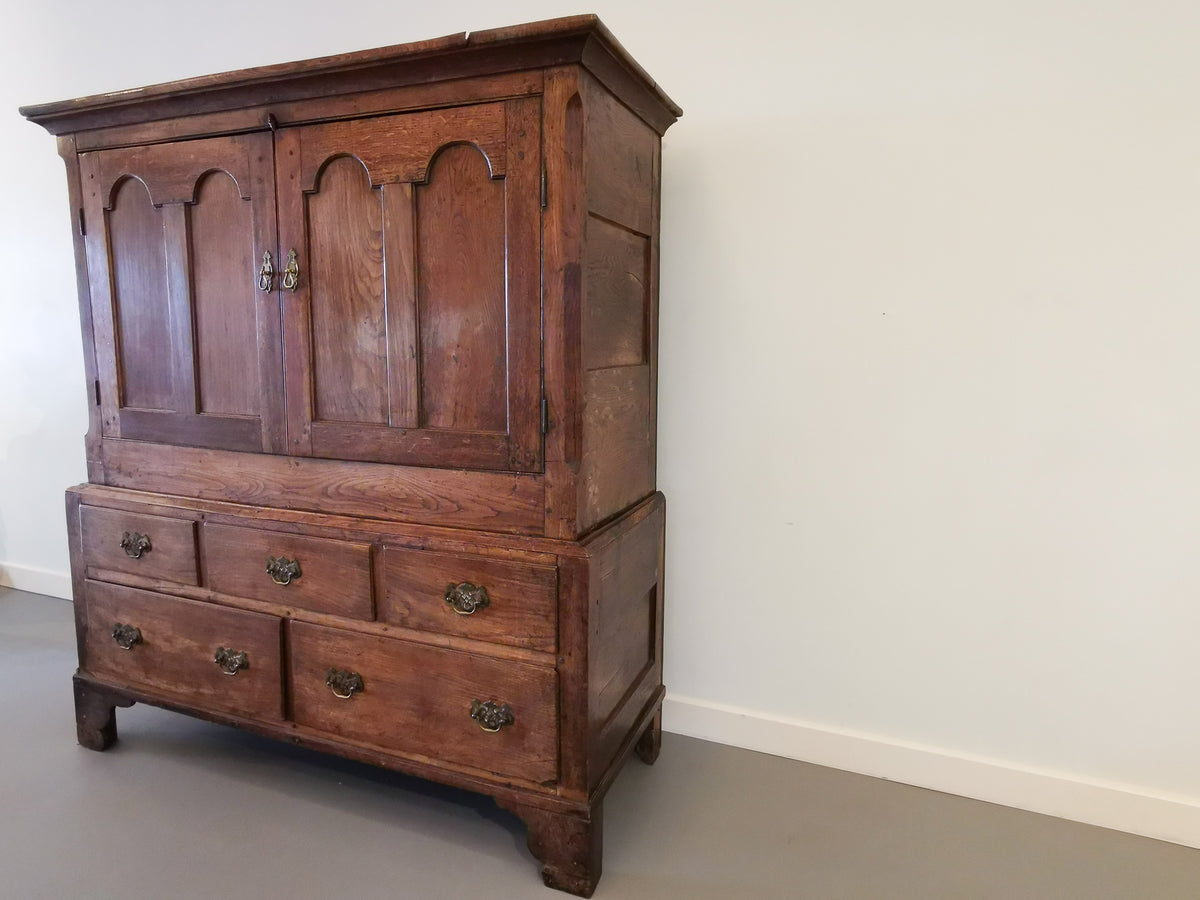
(400, 304)
(523, 227)
(296, 321)
(268, 305)
(100, 276)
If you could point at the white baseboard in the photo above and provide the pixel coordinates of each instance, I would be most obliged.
(1118, 806)
(36, 581)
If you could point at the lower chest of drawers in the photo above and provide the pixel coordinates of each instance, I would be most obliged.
(521, 667)
(472, 710)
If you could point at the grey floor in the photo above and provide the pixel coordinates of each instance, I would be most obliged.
(183, 809)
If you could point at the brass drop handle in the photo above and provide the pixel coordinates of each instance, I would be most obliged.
(492, 716)
(283, 570)
(135, 545)
(126, 636)
(344, 684)
(291, 272)
(231, 661)
(466, 598)
(267, 273)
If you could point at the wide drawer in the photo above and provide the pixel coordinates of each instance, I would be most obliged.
(289, 569)
(418, 699)
(185, 649)
(152, 546)
(474, 596)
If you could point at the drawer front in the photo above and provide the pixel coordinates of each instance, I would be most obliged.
(153, 546)
(520, 607)
(172, 651)
(334, 576)
(418, 699)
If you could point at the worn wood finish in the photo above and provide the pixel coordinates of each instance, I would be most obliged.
(345, 264)
(616, 469)
(95, 714)
(616, 302)
(419, 318)
(625, 633)
(455, 394)
(178, 641)
(489, 501)
(575, 39)
(521, 598)
(418, 699)
(509, 546)
(569, 846)
(335, 576)
(460, 245)
(171, 554)
(562, 251)
(221, 226)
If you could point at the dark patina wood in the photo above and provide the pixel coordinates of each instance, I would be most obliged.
(371, 343)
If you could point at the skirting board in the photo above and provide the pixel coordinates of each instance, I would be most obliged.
(1118, 806)
(36, 581)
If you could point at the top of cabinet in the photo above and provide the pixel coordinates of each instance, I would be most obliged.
(582, 40)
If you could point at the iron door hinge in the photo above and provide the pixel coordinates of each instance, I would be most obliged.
(545, 416)
(96, 385)
(82, 224)
(543, 187)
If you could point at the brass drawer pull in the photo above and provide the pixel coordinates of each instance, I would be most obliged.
(126, 636)
(283, 570)
(231, 661)
(466, 598)
(291, 272)
(267, 273)
(135, 545)
(492, 716)
(344, 684)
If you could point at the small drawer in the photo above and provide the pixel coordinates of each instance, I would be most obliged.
(153, 546)
(474, 596)
(418, 699)
(210, 657)
(292, 570)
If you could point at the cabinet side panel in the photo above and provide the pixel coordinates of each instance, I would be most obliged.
(625, 631)
(617, 324)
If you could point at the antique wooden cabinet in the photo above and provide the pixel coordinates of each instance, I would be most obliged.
(371, 348)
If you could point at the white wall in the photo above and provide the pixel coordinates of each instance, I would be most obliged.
(930, 426)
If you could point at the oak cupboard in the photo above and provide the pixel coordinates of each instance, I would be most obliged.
(371, 344)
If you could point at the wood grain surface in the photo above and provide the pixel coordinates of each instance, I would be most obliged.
(521, 610)
(418, 699)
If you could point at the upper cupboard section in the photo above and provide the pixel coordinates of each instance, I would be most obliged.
(395, 317)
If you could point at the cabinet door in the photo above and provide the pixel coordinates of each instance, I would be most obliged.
(413, 333)
(189, 348)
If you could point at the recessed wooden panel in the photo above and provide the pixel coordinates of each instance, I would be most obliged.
(345, 238)
(140, 297)
(461, 294)
(620, 162)
(222, 247)
(172, 544)
(417, 699)
(335, 576)
(617, 468)
(521, 597)
(616, 296)
(178, 641)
